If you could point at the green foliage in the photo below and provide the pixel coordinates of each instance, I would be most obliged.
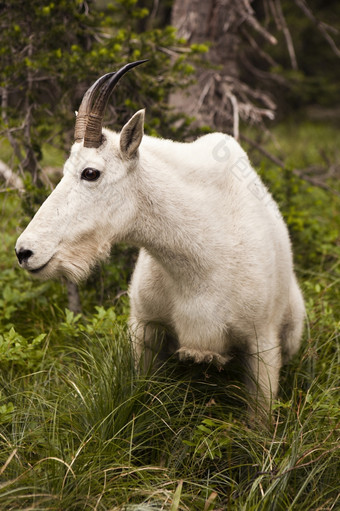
(6, 411)
(103, 321)
(15, 350)
(92, 433)
(311, 212)
(52, 51)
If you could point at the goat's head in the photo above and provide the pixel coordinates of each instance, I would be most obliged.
(92, 206)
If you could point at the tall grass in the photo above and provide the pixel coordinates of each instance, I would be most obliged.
(80, 429)
(91, 434)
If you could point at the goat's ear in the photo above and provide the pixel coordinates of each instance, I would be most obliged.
(132, 134)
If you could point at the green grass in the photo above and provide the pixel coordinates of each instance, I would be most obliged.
(81, 430)
(86, 433)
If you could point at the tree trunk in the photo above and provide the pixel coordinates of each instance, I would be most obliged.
(220, 97)
(214, 21)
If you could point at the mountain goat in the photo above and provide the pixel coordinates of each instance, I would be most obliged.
(215, 264)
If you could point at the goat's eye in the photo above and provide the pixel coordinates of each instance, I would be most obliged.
(90, 174)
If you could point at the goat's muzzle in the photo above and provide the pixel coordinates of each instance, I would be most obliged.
(23, 255)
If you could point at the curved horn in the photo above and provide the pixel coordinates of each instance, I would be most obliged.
(93, 129)
(85, 107)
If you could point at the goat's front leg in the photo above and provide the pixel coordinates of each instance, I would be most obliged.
(142, 339)
(148, 343)
(262, 373)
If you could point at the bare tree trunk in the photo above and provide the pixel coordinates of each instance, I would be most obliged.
(214, 21)
(220, 97)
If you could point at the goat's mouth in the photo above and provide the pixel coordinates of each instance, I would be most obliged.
(42, 267)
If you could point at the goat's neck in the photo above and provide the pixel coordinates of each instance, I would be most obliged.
(169, 227)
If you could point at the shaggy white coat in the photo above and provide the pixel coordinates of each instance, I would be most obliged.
(215, 266)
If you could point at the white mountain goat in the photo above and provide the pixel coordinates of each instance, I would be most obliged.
(215, 264)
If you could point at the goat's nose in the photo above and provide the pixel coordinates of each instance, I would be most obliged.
(23, 255)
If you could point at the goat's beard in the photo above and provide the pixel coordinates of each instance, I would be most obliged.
(76, 260)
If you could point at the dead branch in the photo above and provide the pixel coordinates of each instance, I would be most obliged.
(236, 117)
(322, 27)
(154, 10)
(249, 16)
(204, 93)
(287, 35)
(12, 141)
(30, 162)
(10, 178)
(254, 44)
(235, 104)
(300, 173)
(264, 75)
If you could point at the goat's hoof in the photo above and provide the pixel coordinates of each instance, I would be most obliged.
(201, 357)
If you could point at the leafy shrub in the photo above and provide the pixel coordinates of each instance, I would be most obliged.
(18, 351)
